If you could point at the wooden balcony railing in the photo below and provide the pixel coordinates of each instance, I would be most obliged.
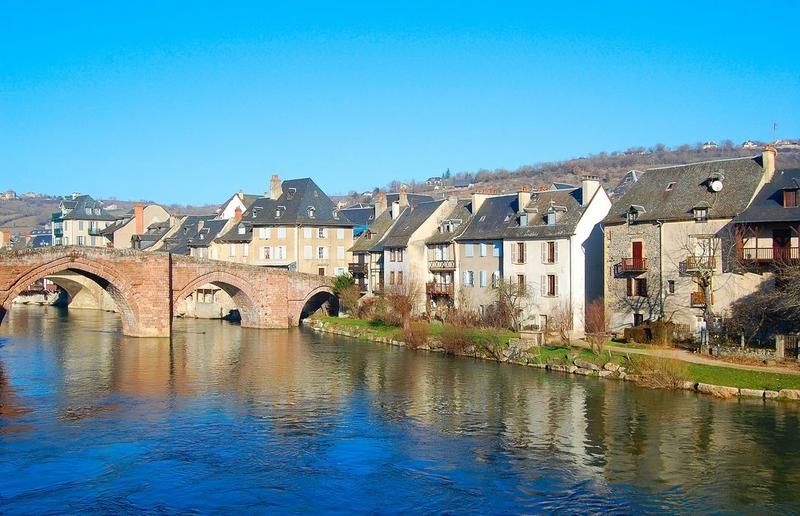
(357, 267)
(632, 265)
(439, 289)
(769, 254)
(442, 265)
(701, 262)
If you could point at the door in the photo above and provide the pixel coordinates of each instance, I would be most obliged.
(637, 254)
(321, 271)
(780, 244)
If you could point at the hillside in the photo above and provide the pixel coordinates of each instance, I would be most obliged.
(610, 167)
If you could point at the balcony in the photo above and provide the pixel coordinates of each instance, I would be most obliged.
(698, 299)
(439, 289)
(755, 255)
(700, 263)
(95, 231)
(357, 268)
(442, 265)
(632, 265)
(58, 233)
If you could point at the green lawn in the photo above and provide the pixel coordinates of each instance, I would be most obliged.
(741, 378)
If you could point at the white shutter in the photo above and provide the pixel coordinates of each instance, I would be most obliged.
(246, 249)
(325, 254)
(465, 277)
(340, 252)
(340, 234)
(307, 233)
(555, 252)
(555, 285)
(307, 252)
(543, 285)
(544, 252)
(482, 278)
(513, 252)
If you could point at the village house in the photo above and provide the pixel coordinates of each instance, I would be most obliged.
(553, 245)
(120, 234)
(441, 256)
(80, 221)
(296, 227)
(5, 237)
(670, 242)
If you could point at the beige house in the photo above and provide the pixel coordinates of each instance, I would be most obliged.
(297, 227)
(671, 243)
(5, 237)
(81, 221)
(119, 235)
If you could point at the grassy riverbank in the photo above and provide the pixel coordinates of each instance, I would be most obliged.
(560, 355)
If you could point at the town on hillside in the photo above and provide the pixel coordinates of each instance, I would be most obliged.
(699, 246)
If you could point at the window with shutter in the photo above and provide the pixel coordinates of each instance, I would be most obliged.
(400, 278)
(307, 252)
(482, 277)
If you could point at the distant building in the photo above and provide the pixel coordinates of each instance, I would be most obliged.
(80, 221)
(710, 145)
(463, 182)
(5, 237)
(8, 195)
(750, 144)
(787, 144)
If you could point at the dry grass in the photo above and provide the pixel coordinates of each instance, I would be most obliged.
(416, 335)
(455, 339)
(662, 373)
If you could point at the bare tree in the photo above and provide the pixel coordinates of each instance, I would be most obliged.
(562, 322)
(596, 325)
(511, 297)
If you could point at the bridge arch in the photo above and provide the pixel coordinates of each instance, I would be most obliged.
(240, 290)
(120, 290)
(315, 299)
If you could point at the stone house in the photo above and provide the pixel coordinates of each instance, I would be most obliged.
(670, 242)
(296, 227)
(80, 221)
(120, 234)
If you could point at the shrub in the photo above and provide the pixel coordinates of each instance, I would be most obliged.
(662, 372)
(455, 339)
(341, 282)
(640, 334)
(416, 335)
(348, 298)
(596, 325)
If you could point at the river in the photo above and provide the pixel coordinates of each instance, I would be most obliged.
(225, 418)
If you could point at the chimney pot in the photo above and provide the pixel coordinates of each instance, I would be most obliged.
(237, 214)
(768, 159)
(138, 214)
(275, 189)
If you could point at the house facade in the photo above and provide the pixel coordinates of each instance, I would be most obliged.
(671, 243)
(80, 221)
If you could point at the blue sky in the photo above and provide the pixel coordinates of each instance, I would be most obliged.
(190, 101)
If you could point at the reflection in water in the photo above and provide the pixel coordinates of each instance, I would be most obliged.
(224, 417)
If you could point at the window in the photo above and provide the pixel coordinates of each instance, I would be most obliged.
(550, 285)
(671, 186)
(700, 214)
(523, 220)
(551, 218)
(469, 279)
(391, 278)
(482, 310)
(263, 233)
(482, 249)
(281, 233)
(231, 250)
(482, 279)
(280, 252)
(399, 255)
(468, 250)
(638, 319)
(549, 252)
(636, 287)
(80, 240)
(340, 234)
(307, 252)
(400, 278)
(521, 281)
(671, 286)
(542, 322)
(310, 212)
(80, 225)
(322, 233)
(495, 279)
(307, 234)
(241, 229)
(392, 257)
(790, 198)
(322, 253)
(518, 252)
(633, 216)
(340, 252)
(265, 253)
(245, 249)
(92, 240)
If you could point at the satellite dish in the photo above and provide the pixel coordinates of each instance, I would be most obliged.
(716, 185)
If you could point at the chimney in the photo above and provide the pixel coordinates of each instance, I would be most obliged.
(241, 195)
(138, 214)
(589, 185)
(403, 196)
(768, 158)
(395, 209)
(380, 203)
(453, 200)
(237, 214)
(275, 189)
(477, 201)
(523, 198)
(6, 240)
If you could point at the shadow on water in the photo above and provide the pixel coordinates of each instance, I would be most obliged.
(222, 417)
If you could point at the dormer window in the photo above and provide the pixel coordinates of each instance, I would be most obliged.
(279, 211)
(790, 198)
(368, 235)
(523, 220)
(671, 186)
(241, 229)
(633, 216)
(290, 193)
(335, 214)
(550, 218)
(311, 212)
(700, 214)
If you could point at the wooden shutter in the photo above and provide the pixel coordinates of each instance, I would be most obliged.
(629, 287)
(555, 252)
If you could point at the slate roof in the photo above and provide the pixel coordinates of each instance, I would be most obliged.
(178, 242)
(360, 216)
(377, 229)
(247, 200)
(463, 212)
(206, 235)
(83, 207)
(408, 222)
(690, 190)
(768, 203)
(412, 198)
(232, 235)
(297, 197)
(540, 204)
(490, 222)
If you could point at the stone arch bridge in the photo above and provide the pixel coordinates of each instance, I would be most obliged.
(146, 286)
